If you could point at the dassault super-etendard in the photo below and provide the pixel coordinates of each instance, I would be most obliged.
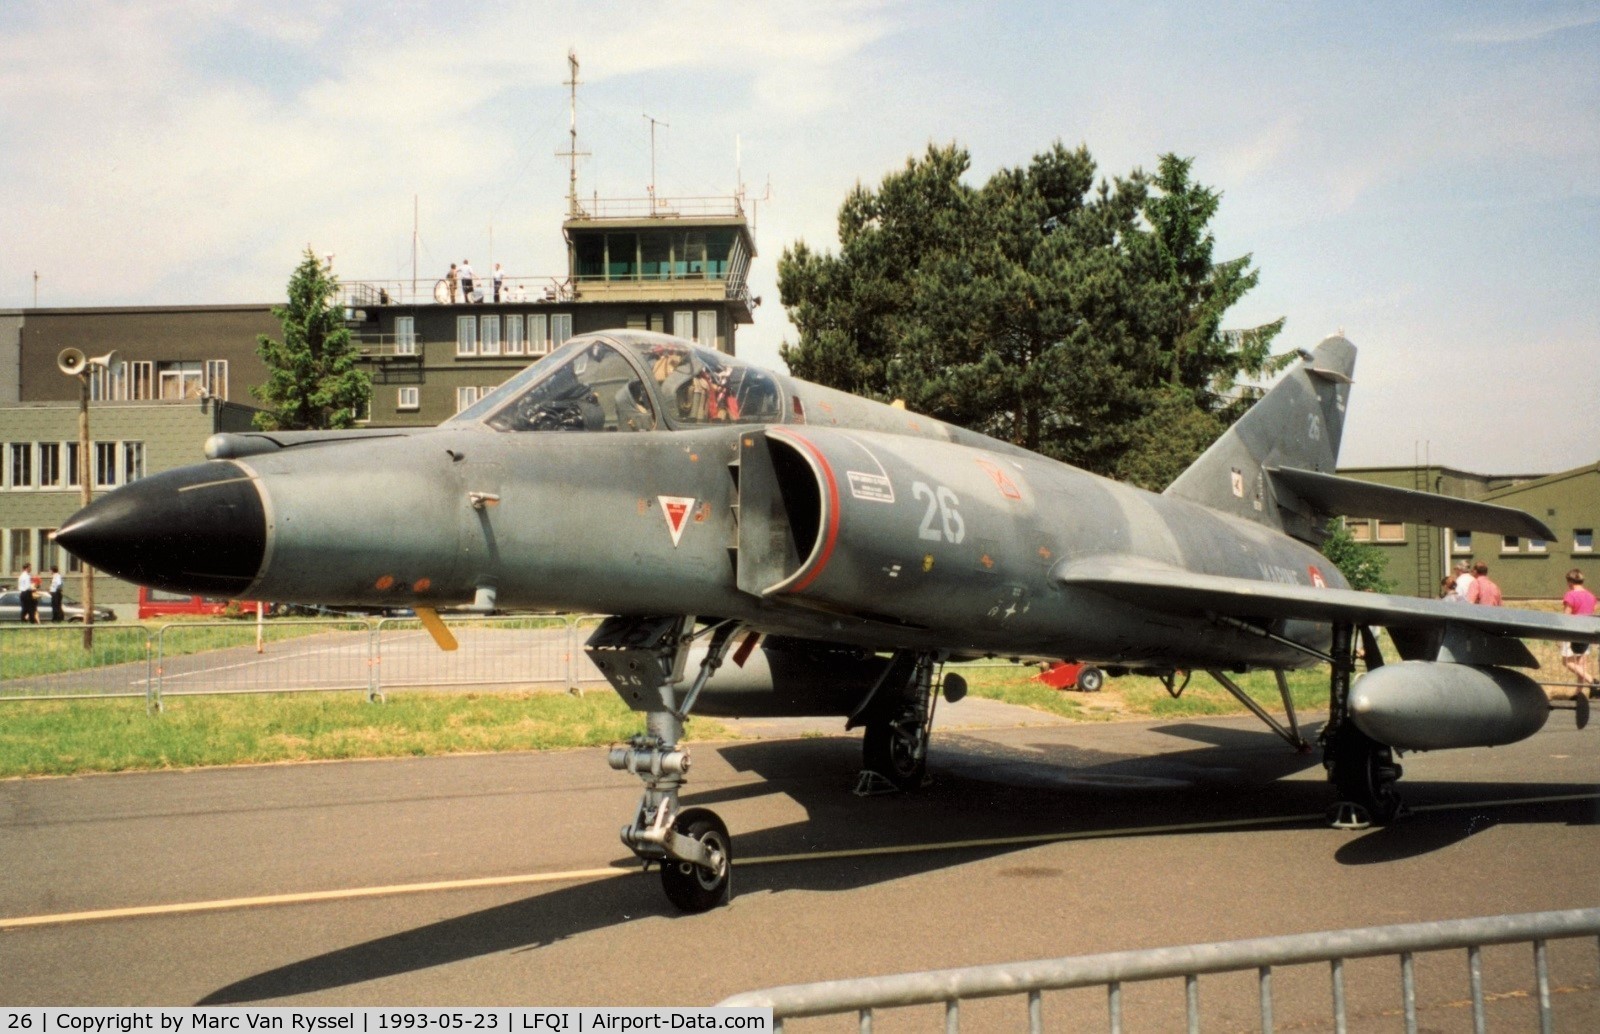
(768, 546)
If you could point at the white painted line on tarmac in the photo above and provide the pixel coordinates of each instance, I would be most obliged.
(574, 875)
(184, 907)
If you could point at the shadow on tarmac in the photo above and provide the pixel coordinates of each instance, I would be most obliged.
(981, 789)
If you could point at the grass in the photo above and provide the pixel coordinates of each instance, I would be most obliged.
(41, 738)
(1137, 696)
(67, 737)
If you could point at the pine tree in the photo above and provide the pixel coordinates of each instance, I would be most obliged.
(312, 381)
(1071, 318)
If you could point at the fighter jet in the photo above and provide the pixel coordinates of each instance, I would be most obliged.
(767, 546)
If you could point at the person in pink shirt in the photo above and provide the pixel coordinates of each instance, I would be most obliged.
(1578, 601)
(1482, 590)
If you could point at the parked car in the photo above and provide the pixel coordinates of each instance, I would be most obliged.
(71, 610)
(155, 603)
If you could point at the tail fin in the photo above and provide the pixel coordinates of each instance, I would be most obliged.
(1296, 425)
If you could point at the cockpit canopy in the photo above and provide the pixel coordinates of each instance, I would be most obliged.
(630, 381)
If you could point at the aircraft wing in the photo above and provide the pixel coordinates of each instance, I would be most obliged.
(1162, 587)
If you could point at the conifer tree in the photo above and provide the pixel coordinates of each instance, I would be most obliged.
(1077, 319)
(312, 381)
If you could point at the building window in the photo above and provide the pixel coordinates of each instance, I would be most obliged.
(491, 336)
(410, 398)
(683, 325)
(405, 335)
(1538, 546)
(1510, 544)
(466, 335)
(185, 380)
(516, 344)
(705, 330)
(1461, 542)
(1360, 529)
(622, 256)
(105, 464)
(74, 466)
(21, 543)
(538, 335)
(1583, 540)
(655, 256)
(560, 328)
(1391, 531)
(49, 552)
(132, 462)
(49, 464)
(142, 380)
(217, 378)
(465, 397)
(20, 467)
(107, 383)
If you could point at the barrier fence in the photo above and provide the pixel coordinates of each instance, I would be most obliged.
(349, 653)
(369, 655)
(1522, 1002)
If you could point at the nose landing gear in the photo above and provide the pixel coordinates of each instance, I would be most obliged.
(644, 659)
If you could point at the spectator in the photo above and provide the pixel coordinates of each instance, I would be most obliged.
(499, 279)
(56, 593)
(467, 276)
(1463, 578)
(1575, 656)
(30, 601)
(450, 279)
(1483, 591)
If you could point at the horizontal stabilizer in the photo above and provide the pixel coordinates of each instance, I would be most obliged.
(1163, 588)
(1347, 497)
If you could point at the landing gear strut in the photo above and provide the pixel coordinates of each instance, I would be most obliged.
(895, 745)
(1362, 770)
(645, 659)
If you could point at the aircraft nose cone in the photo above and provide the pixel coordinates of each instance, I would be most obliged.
(199, 530)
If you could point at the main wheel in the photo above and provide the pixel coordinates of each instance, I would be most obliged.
(895, 752)
(1363, 771)
(1091, 680)
(695, 888)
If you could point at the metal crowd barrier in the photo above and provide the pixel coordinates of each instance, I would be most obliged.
(282, 655)
(950, 987)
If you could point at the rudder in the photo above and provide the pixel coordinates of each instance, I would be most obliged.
(1297, 424)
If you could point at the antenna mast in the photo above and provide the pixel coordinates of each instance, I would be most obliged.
(654, 122)
(572, 154)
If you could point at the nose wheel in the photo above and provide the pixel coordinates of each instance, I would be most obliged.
(691, 886)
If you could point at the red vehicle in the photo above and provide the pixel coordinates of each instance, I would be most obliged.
(155, 603)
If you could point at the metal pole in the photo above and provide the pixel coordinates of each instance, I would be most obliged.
(85, 494)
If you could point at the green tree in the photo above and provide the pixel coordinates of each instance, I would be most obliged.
(312, 381)
(1041, 308)
(1361, 563)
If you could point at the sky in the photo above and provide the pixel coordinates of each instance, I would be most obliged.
(1424, 177)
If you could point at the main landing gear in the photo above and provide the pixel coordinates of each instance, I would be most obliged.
(645, 661)
(1363, 771)
(898, 717)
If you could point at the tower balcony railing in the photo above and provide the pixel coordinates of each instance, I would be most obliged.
(358, 296)
(366, 294)
(651, 207)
